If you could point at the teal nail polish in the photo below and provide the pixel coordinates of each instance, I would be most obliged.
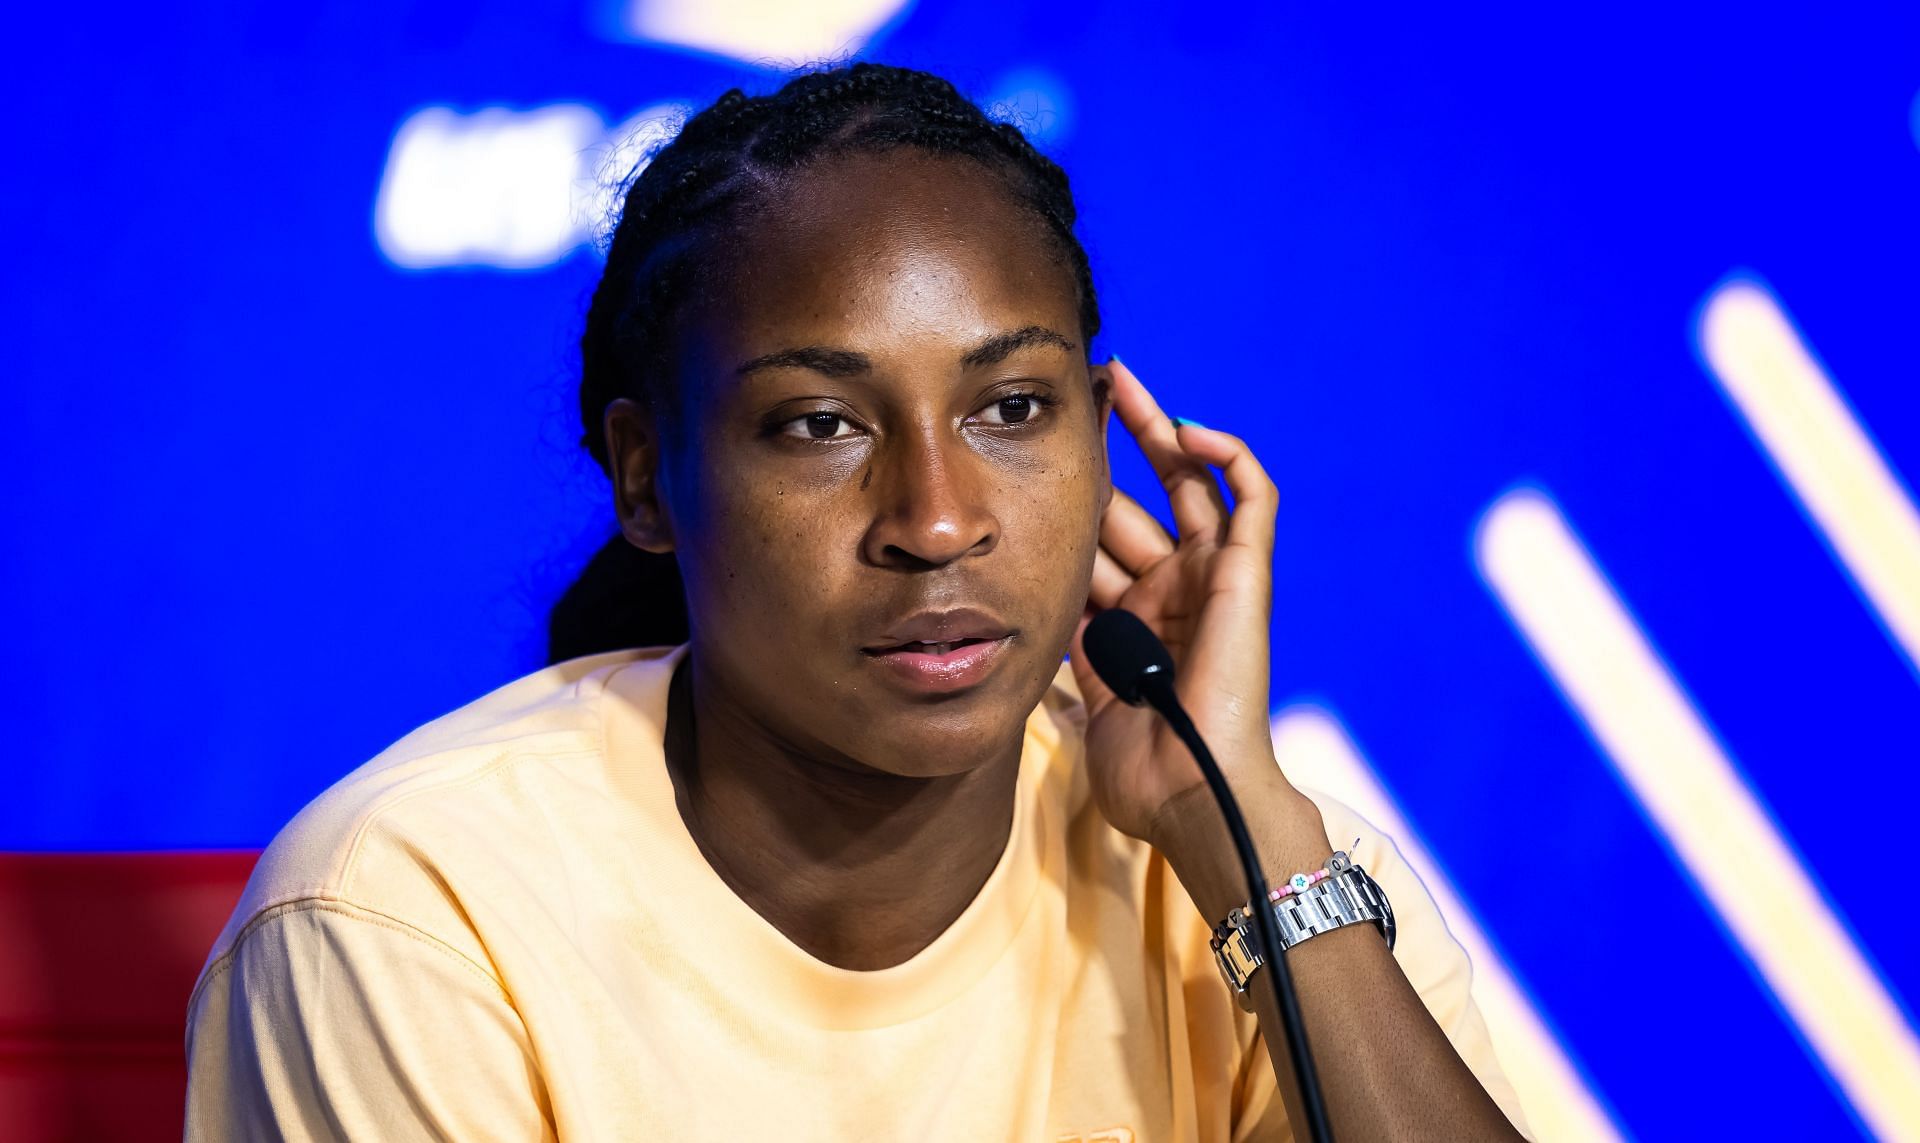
(1178, 421)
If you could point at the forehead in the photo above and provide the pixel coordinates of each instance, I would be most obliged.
(894, 250)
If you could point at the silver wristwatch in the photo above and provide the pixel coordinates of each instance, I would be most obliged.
(1346, 896)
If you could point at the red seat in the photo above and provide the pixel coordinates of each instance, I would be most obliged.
(98, 952)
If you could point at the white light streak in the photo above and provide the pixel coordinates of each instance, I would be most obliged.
(1726, 841)
(773, 32)
(1820, 450)
(1315, 751)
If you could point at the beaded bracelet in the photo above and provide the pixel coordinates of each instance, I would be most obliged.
(1298, 883)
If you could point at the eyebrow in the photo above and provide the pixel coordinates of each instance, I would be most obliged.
(820, 359)
(847, 363)
(998, 347)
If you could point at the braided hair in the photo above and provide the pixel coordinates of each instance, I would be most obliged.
(739, 151)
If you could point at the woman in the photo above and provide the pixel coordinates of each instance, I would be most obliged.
(860, 859)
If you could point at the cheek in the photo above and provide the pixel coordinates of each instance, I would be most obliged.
(1053, 507)
(765, 545)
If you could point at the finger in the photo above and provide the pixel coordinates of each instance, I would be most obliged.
(1110, 582)
(1132, 536)
(1198, 507)
(1256, 501)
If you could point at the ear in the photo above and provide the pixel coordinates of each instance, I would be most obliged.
(633, 464)
(1102, 378)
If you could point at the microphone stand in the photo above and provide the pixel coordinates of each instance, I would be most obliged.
(1156, 686)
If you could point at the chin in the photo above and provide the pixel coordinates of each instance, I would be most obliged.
(918, 746)
(926, 737)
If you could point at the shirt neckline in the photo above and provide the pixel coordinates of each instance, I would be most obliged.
(727, 941)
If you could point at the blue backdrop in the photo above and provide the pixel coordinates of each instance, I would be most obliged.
(287, 475)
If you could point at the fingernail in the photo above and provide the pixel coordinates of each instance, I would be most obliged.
(1178, 421)
(1116, 357)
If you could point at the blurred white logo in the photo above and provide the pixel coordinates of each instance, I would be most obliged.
(512, 189)
(522, 189)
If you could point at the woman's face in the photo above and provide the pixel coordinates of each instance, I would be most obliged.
(890, 441)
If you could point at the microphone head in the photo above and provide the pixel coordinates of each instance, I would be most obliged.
(1124, 652)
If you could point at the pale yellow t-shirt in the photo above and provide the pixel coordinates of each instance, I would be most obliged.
(500, 929)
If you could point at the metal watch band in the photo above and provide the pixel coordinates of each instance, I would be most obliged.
(1346, 897)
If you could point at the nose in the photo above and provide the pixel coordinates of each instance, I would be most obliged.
(931, 503)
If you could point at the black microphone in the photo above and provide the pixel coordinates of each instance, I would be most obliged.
(1137, 668)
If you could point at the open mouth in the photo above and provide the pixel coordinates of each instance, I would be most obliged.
(921, 647)
(941, 666)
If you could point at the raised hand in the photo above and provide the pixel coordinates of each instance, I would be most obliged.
(1207, 592)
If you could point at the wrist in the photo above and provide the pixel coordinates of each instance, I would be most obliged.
(1288, 834)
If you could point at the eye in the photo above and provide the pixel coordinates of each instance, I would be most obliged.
(820, 426)
(1014, 409)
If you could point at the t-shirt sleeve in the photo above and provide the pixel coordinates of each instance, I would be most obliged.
(328, 1021)
(1433, 961)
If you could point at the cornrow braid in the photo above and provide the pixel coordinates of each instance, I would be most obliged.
(745, 145)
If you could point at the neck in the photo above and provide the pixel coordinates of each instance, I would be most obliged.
(860, 868)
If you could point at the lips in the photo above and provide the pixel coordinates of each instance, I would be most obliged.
(925, 648)
(938, 632)
(942, 652)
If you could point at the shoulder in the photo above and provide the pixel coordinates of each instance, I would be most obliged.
(377, 841)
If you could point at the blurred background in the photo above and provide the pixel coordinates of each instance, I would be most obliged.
(1584, 345)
